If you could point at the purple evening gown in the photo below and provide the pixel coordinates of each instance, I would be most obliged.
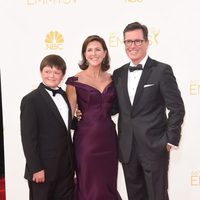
(95, 143)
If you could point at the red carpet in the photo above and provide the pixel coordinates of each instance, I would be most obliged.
(2, 189)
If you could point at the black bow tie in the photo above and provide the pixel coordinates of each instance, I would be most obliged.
(55, 91)
(138, 67)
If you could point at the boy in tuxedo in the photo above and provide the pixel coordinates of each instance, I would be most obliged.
(45, 132)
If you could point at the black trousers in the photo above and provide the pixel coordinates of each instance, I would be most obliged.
(146, 179)
(60, 189)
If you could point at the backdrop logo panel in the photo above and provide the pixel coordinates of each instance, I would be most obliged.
(194, 87)
(115, 40)
(85, 16)
(153, 35)
(133, 1)
(195, 178)
(49, 2)
(54, 40)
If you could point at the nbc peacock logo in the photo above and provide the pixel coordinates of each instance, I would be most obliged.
(54, 40)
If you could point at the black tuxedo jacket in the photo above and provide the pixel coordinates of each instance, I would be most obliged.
(145, 123)
(45, 138)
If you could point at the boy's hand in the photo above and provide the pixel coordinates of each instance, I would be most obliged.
(39, 177)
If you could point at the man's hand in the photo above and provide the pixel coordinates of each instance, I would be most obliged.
(168, 147)
(78, 114)
(39, 177)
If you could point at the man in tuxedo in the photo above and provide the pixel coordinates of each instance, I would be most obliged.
(45, 132)
(146, 88)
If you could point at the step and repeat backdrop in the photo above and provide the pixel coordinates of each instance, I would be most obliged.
(32, 29)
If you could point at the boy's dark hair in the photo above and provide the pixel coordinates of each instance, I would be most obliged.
(53, 61)
(135, 26)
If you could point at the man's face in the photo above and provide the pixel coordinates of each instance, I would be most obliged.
(135, 45)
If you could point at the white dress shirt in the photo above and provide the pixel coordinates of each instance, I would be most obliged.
(61, 105)
(132, 84)
(133, 79)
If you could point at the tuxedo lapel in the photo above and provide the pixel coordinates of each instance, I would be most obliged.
(144, 77)
(69, 108)
(51, 104)
(124, 80)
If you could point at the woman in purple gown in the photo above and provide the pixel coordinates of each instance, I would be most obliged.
(95, 139)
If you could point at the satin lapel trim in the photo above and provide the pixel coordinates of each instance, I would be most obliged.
(70, 111)
(124, 80)
(51, 104)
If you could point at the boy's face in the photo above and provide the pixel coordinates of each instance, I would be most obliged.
(51, 76)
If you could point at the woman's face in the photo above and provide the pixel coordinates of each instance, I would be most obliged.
(95, 53)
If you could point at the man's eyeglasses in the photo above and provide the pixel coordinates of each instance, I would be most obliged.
(128, 43)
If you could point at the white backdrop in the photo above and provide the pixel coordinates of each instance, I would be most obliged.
(28, 33)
